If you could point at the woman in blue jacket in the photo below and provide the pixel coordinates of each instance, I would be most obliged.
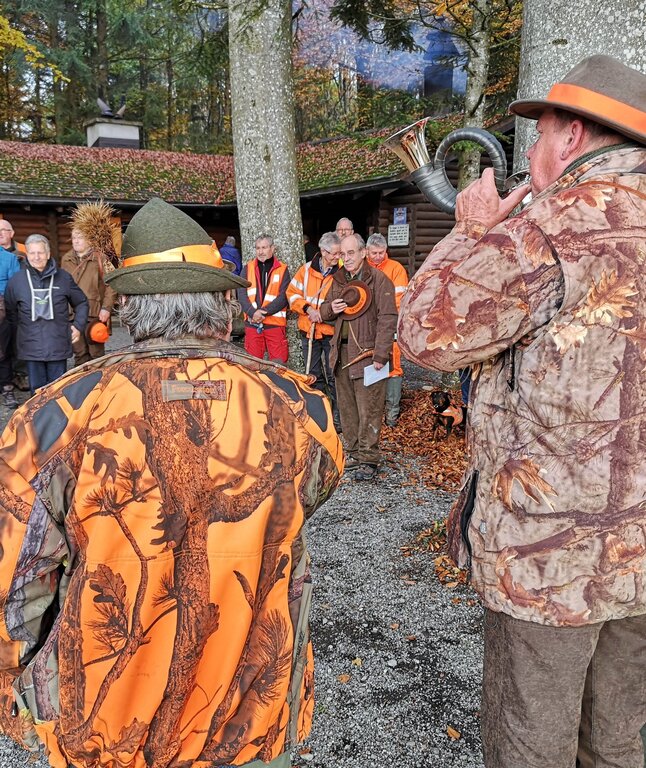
(37, 301)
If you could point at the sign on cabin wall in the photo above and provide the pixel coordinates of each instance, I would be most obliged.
(398, 234)
(399, 215)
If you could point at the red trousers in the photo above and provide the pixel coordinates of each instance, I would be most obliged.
(272, 340)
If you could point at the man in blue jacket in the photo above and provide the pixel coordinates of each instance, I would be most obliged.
(37, 301)
(9, 265)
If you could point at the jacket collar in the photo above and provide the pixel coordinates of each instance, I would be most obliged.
(50, 269)
(616, 159)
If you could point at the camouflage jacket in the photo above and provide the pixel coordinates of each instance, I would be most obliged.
(550, 306)
(154, 581)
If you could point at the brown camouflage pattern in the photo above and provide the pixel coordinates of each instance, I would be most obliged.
(154, 580)
(550, 307)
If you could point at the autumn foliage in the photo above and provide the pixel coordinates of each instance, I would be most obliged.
(444, 460)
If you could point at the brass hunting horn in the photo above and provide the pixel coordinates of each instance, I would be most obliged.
(429, 175)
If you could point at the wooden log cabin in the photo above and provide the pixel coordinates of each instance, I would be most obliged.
(352, 176)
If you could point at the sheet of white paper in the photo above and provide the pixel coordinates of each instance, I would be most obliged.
(371, 375)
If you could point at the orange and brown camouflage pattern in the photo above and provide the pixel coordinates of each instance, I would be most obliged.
(550, 307)
(154, 580)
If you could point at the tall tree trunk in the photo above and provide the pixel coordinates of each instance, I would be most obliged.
(264, 136)
(555, 38)
(57, 86)
(102, 50)
(474, 97)
(264, 141)
(169, 102)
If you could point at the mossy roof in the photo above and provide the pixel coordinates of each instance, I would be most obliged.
(65, 172)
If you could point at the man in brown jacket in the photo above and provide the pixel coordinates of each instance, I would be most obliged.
(360, 339)
(550, 308)
(86, 267)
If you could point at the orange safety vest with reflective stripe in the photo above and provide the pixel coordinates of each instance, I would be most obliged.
(273, 290)
(309, 287)
(398, 276)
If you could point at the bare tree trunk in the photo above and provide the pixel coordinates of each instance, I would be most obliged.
(169, 102)
(102, 50)
(474, 97)
(264, 137)
(263, 126)
(555, 39)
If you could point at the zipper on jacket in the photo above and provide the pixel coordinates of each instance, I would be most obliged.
(510, 368)
(467, 511)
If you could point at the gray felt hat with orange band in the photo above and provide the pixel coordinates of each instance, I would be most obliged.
(600, 88)
(165, 251)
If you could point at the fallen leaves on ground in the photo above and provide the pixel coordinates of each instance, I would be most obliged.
(433, 541)
(444, 459)
(453, 734)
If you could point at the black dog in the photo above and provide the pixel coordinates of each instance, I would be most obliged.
(446, 414)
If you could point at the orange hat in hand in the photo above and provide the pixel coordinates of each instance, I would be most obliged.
(98, 332)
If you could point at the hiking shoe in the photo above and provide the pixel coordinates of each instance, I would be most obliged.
(8, 397)
(365, 472)
(21, 382)
(352, 463)
(391, 421)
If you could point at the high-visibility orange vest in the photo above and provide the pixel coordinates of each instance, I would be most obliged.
(309, 287)
(273, 290)
(398, 276)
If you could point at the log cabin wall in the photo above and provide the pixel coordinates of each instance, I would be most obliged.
(428, 225)
(53, 221)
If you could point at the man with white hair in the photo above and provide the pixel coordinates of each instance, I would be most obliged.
(377, 249)
(7, 239)
(154, 579)
(344, 227)
(38, 301)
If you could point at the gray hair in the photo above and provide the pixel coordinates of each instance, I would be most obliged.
(345, 218)
(38, 239)
(230, 240)
(268, 238)
(172, 315)
(378, 240)
(328, 240)
(361, 243)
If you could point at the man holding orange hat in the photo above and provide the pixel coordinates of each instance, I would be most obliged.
(87, 264)
(361, 304)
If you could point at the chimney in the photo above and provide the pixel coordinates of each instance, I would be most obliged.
(113, 132)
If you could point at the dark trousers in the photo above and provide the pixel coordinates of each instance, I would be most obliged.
(320, 366)
(6, 351)
(555, 695)
(362, 411)
(41, 372)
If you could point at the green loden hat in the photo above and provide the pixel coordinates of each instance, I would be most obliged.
(165, 251)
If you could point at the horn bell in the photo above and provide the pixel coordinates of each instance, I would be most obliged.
(409, 144)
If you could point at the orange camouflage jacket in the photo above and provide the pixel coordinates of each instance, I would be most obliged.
(154, 580)
(551, 307)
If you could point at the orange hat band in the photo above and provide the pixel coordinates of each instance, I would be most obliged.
(610, 109)
(194, 254)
